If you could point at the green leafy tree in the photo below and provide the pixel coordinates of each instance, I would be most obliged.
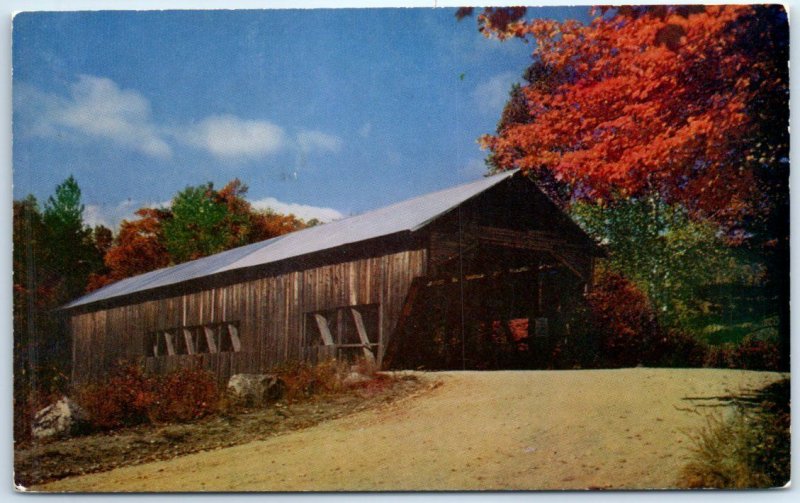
(667, 254)
(200, 224)
(205, 221)
(70, 249)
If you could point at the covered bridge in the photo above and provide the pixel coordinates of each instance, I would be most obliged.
(393, 285)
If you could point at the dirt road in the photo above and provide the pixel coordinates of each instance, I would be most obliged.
(475, 430)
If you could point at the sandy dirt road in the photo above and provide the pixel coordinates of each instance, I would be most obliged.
(475, 430)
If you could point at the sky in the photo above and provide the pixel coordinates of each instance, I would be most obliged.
(323, 113)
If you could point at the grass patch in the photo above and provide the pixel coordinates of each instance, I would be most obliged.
(749, 449)
(716, 330)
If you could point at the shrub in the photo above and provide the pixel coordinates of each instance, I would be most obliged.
(756, 354)
(376, 384)
(676, 349)
(719, 356)
(629, 334)
(750, 353)
(623, 319)
(132, 397)
(303, 379)
(123, 400)
(186, 395)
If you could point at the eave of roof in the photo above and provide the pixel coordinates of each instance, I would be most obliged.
(410, 215)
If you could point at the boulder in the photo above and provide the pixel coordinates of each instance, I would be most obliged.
(61, 419)
(256, 389)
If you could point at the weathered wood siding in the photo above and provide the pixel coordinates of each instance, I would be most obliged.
(270, 312)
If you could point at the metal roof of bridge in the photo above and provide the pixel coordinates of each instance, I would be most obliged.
(409, 215)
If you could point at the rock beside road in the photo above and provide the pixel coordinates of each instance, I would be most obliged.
(256, 389)
(61, 419)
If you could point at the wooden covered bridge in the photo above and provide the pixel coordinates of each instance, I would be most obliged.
(430, 281)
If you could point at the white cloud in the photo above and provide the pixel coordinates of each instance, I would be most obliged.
(97, 107)
(229, 137)
(301, 211)
(111, 215)
(317, 140)
(492, 95)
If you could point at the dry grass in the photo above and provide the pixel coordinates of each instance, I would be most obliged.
(749, 449)
(303, 380)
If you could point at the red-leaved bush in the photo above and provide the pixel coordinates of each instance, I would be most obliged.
(673, 348)
(623, 320)
(750, 354)
(303, 379)
(186, 395)
(756, 354)
(132, 397)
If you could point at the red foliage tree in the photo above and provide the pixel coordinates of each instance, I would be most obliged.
(139, 248)
(687, 103)
(647, 100)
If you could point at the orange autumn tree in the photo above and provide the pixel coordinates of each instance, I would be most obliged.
(645, 101)
(138, 248)
(684, 104)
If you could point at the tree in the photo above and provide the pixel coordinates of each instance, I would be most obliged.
(206, 221)
(197, 227)
(268, 223)
(665, 254)
(69, 250)
(138, 248)
(517, 112)
(64, 211)
(54, 253)
(103, 238)
(655, 102)
(688, 104)
(250, 225)
(32, 293)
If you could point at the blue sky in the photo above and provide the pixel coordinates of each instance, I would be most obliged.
(321, 112)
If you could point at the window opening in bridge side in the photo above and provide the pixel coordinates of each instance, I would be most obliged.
(348, 331)
(195, 339)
